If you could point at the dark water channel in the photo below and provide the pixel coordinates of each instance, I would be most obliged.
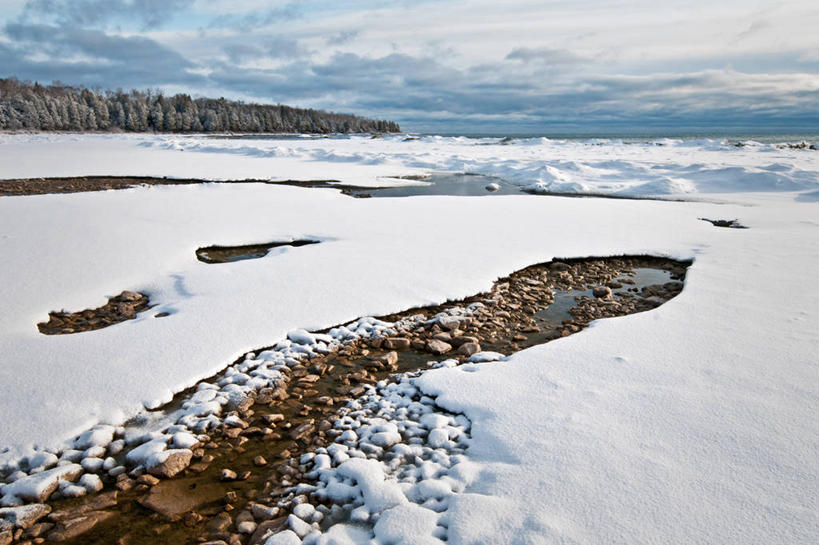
(444, 183)
(230, 254)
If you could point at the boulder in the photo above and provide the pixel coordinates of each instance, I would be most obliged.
(168, 462)
(396, 343)
(438, 347)
(72, 528)
(38, 487)
(449, 322)
(129, 296)
(602, 292)
(25, 515)
(390, 358)
(467, 349)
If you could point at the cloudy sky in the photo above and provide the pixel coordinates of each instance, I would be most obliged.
(446, 66)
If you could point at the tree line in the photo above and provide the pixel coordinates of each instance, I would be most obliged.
(58, 107)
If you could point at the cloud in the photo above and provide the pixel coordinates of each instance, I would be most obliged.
(545, 55)
(93, 13)
(91, 57)
(754, 28)
(342, 37)
(411, 88)
(257, 19)
(273, 47)
(478, 72)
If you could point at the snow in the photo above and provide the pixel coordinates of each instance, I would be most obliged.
(37, 487)
(654, 167)
(691, 422)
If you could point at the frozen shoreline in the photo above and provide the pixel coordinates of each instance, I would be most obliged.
(706, 401)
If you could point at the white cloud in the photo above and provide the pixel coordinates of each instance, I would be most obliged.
(484, 59)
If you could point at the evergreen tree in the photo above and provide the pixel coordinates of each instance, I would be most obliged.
(26, 106)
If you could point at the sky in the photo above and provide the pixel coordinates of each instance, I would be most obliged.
(465, 66)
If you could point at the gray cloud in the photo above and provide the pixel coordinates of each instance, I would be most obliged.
(545, 55)
(342, 37)
(276, 47)
(249, 21)
(423, 90)
(93, 13)
(529, 88)
(91, 57)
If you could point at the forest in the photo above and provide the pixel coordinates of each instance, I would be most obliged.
(26, 106)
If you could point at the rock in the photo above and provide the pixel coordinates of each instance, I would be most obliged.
(150, 480)
(468, 349)
(304, 511)
(301, 336)
(438, 347)
(559, 266)
(287, 537)
(300, 527)
(247, 527)
(39, 530)
(92, 465)
(265, 527)
(126, 310)
(449, 322)
(390, 358)
(262, 512)
(396, 343)
(602, 292)
(72, 528)
(25, 515)
(97, 503)
(259, 461)
(220, 522)
(38, 487)
(302, 431)
(129, 296)
(460, 340)
(228, 475)
(125, 484)
(492, 187)
(90, 482)
(168, 462)
(174, 498)
(6, 535)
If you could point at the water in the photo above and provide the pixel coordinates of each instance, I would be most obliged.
(772, 137)
(230, 254)
(444, 183)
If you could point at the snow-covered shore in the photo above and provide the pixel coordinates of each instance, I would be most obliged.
(693, 422)
(653, 167)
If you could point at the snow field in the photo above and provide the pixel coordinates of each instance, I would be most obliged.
(694, 422)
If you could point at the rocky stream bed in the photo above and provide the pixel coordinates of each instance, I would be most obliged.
(261, 452)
